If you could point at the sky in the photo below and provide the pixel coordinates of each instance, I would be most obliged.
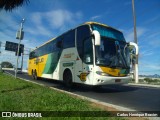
(46, 19)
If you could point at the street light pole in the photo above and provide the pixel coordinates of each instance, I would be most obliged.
(20, 38)
(0, 53)
(136, 41)
(22, 61)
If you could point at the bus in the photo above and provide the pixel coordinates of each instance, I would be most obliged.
(92, 53)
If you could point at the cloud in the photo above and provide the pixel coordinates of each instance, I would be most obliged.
(5, 36)
(9, 26)
(95, 17)
(61, 17)
(146, 53)
(38, 27)
(7, 55)
(7, 21)
(58, 18)
(45, 22)
(129, 34)
(148, 68)
(36, 18)
(38, 30)
(156, 18)
(154, 43)
(155, 34)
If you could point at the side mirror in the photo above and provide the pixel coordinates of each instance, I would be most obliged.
(133, 45)
(87, 58)
(97, 38)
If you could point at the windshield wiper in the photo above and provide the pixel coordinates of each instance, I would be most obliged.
(120, 54)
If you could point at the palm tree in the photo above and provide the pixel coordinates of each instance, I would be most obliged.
(9, 5)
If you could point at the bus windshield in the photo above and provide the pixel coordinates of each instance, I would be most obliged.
(112, 54)
(108, 32)
(113, 51)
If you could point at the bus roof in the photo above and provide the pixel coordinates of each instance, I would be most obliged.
(43, 44)
(91, 22)
(86, 23)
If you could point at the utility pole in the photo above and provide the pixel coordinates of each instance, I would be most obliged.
(136, 41)
(19, 36)
(0, 46)
(0, 53)
(22, 61)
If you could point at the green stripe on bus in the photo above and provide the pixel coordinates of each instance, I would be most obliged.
(51, 63)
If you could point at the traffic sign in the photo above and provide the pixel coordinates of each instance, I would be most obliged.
(11, 46)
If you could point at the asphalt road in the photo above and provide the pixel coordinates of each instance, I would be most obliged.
(133, 97)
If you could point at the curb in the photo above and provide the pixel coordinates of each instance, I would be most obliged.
(144, 85)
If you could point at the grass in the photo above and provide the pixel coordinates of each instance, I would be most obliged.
(19, 95)
(149, 81)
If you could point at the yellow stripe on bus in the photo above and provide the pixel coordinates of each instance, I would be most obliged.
(38, 64)
(42, 64)
(111, 71)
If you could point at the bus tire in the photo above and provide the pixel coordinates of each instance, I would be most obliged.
(67, 78)
(35, 75)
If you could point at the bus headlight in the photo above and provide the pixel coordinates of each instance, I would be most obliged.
(101, 73)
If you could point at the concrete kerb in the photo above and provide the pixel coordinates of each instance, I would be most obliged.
(144, 85)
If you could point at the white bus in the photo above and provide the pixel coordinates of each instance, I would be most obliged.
(92, 54)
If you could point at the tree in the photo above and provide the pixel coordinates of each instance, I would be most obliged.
(9, 5)
(6, 65)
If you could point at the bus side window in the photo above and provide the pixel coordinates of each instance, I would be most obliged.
(69, 39)
(82, 33)
(32, 55)
(59, 44)
(88, 51)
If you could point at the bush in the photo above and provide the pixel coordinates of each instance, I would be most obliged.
(156, 80)
(141, 80)
(148, 80)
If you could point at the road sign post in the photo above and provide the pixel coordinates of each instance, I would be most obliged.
(19, 36)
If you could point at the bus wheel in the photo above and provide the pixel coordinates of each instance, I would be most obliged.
(33, 75)
(67, 78)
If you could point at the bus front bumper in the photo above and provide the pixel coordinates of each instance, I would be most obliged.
(105, 80)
